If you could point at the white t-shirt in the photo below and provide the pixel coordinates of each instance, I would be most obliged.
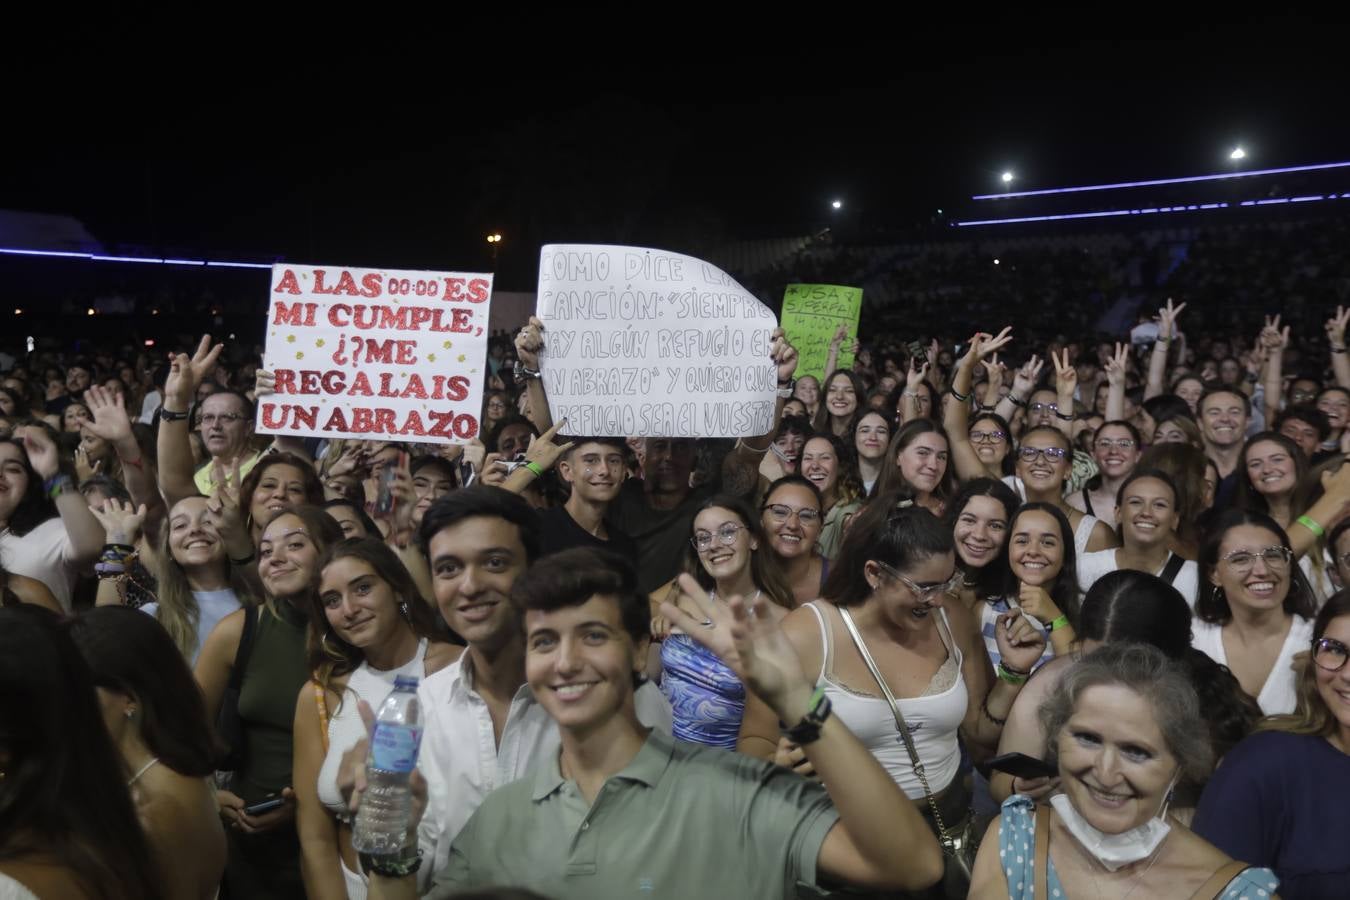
(44, 554)
(1092, 566)
(1279, 694)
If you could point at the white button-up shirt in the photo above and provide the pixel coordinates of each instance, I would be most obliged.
(463, 763)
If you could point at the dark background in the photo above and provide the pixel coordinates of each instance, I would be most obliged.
(312, 148)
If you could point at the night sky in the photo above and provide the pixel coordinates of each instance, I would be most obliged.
(681, 145)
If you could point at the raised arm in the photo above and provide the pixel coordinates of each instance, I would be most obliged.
(541, 456)
(1157, 363)
(1115, 382)
(84, 531)
(175, 450)
(1336, 339)
(112, 423)
(909, 399)
(836, 343)
(529, 341)
(1275, 341)
(956, 418)
(121, 524)
(881, 841)
(740, 467)
(1024, 384)
(993, 383)
(1066, 380)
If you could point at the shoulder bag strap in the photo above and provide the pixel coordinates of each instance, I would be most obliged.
(899, 720)
(1219, 880)
(1173, 567)
(322, 705)
(1041, 870)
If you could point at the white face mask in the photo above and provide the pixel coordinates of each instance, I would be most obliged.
(1116, 850)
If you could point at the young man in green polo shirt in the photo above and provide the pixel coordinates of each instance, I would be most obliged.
(623, 811)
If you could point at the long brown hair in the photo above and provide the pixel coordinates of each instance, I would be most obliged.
(1311, 715)
(764, 569)
(329, 656)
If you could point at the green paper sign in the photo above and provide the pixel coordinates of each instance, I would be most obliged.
(811, 314)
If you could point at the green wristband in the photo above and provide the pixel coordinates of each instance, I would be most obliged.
(1061, 622)
(535, 468)
(1308, 523)
(1006, 675)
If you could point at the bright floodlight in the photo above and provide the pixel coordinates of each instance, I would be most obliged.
(837, 204)
(1007, 177)
(1238, 153)
(494, 238)
(996, 262)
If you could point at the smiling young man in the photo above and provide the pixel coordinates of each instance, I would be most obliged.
(1223, 428)
(621, 811)
(593, 468)
(484, 726)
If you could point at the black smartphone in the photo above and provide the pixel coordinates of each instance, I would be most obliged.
(1019, 765)
(265, 805)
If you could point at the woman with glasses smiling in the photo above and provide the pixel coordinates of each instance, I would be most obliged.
(1278, 799)
(792, 517)
(728, 557)
(1044, 462)
(980, 448)
(1254, 607)
(888, 649)
(1115, 448)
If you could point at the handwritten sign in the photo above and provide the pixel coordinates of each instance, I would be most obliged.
(376, 353)
(649, 343)
(811, 313)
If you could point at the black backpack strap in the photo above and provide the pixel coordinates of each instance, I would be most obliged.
(1174, 564)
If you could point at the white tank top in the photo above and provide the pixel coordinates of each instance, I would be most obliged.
(344, 725)
(933, 719)
(1083, 533)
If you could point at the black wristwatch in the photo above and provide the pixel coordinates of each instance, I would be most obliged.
(394, 865)
(808, 729)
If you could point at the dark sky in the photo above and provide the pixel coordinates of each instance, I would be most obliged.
(394, 161)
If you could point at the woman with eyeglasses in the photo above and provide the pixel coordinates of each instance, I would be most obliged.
(1254, 607)
(792, 517)
(1044, 462)
(887, 646)
(728, 557)
(1115, 448)
(979, 447)
(871, 440)
(828, 464)
(1279, 798)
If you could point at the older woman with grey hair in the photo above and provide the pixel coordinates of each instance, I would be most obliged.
(1120, 730)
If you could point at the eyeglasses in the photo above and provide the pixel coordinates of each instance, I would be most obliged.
(1041, 407)
(1329, 654)
(726, 536)
(781, 512)
(1116, 443)
(1242, 561)
(987, 437)
(1303, 396)
(223, 419)
(1031, 454)
(925, 593)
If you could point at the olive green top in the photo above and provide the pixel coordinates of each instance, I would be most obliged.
(273, 675)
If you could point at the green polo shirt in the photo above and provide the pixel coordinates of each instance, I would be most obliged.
(681, 821)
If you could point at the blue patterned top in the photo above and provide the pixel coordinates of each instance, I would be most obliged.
(990, 610)
(1017, 858)
(706, 697)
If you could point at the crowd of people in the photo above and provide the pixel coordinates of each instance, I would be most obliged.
(979, 616)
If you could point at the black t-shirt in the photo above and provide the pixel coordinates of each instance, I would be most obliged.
(662, 536)
(559, 531)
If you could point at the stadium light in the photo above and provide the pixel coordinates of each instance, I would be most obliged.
(1238, 153)
(836, 204)
(1007, 177)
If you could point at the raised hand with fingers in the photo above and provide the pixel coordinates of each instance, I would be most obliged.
(121, 521)
(1117, 367)
(1020, 643)
(1335, 327)
(84, 469)
(748, 640)
(529, 341)
(110, 420)
(784, 355)
(1024, 381)
(1066, 374)
(543, 452)
(1167, 320)
(264, 383)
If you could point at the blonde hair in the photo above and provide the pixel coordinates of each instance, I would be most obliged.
(178, 610)
(1311, 715)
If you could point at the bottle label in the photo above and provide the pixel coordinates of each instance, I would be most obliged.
(393, 748)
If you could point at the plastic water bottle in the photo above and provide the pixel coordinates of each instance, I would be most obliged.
(386, 807)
